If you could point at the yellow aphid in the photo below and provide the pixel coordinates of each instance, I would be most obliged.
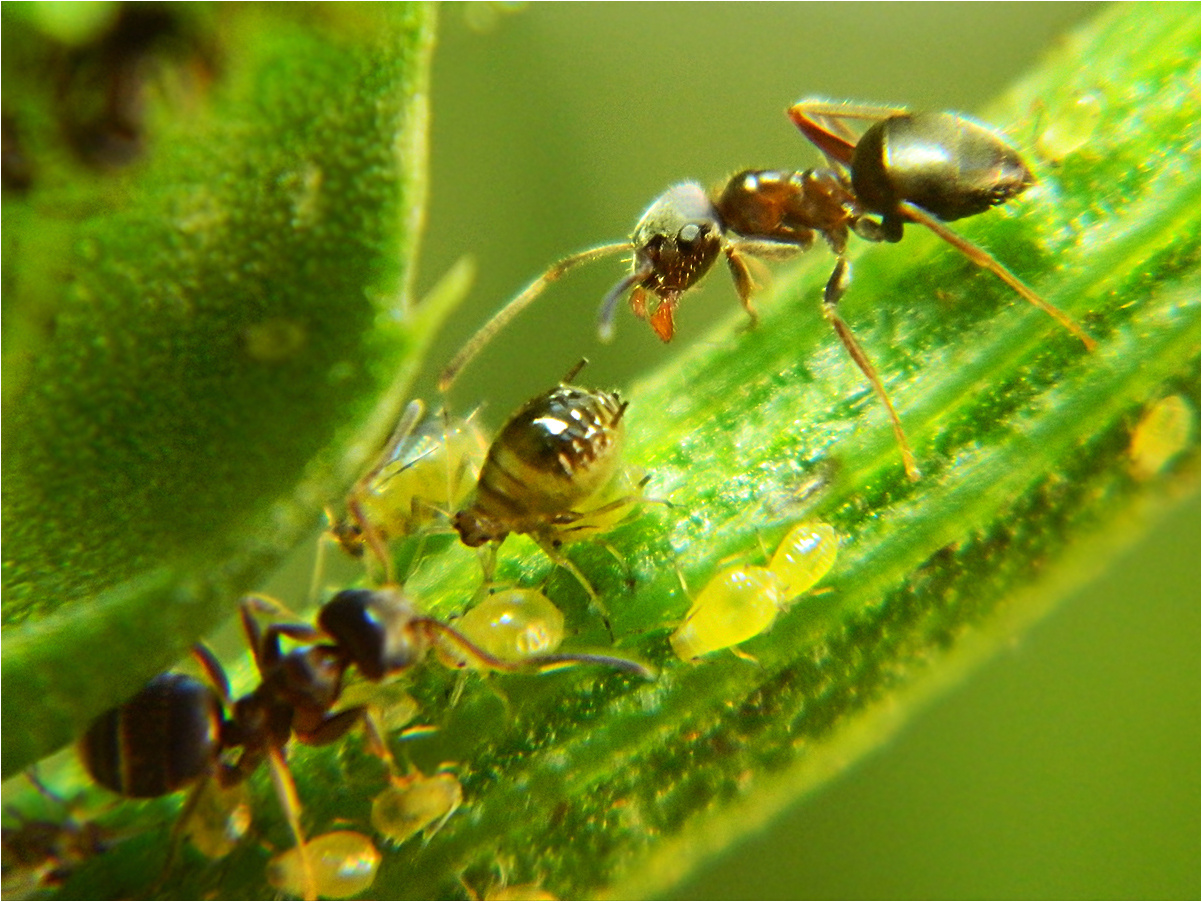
(738, 603)
(805, 555)
(1162, 433)
(427, 469)
(415, 804)
(514, 625)
(742, 602)
(220, 818)
(522, 892)
(344, 864)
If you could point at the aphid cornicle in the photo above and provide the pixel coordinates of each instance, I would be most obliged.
(739, 603)
(554, 473)
(924, 168)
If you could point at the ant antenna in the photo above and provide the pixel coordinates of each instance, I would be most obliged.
(502, 317)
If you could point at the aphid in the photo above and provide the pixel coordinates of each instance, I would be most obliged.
(742, 602)
(514, 624)
(41, 854)
(924, 168)
(178, 732)
(218, 819)
(381, 633)
(1162, 433)
(427, 468)
(344, 864)
(415, 804)
(554, 473)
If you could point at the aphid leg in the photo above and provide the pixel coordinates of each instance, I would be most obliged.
(285, 789)
(528, 294)
(835, 287)
(560, 559)
(987, 261)
(574, 371)
(178, 831)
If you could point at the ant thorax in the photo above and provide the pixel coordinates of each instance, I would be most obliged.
(559, 451)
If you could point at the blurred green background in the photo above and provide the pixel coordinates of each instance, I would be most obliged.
(1065, 768)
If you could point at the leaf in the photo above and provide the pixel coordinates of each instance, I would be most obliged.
(596, 785)
(196, 344)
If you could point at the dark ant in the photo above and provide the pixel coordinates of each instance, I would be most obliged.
(179, 732)
(924, 168)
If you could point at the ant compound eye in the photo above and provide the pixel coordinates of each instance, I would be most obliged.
(690, 234)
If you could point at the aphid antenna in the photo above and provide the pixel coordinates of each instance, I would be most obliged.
(528, 295)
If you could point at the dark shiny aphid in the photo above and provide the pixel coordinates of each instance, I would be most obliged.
(553, 457)
(923, 168)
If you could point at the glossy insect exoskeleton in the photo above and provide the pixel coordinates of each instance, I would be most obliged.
(381, 633)
(554, 473)
(415, 804)
(924, 168)
(178, 732)
(742, 602)
(344, 864)
(428, 467)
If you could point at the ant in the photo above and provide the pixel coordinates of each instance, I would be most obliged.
(179, 732)
(923, 168)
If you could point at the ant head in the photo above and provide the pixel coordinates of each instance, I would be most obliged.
(675, 243)
(476, 529)
(371, 628)
(677, 240)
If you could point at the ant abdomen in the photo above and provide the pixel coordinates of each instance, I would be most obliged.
(946, 164)
(161, 740)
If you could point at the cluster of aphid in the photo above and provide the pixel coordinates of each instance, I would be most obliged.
(554, 473)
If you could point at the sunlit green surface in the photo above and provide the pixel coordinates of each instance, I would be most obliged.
(698, 156)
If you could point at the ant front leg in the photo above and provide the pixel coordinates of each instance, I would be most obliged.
(835, 288)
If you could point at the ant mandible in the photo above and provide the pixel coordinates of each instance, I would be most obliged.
(923, 168)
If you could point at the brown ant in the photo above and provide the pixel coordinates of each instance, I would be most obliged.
(179, 732)
(924, 168)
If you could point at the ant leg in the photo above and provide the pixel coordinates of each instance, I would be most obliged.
(528, 294)
(821, 122)
(987, 261)
(285, 790)
(744, 284)
(835, 287)
(214, 672)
